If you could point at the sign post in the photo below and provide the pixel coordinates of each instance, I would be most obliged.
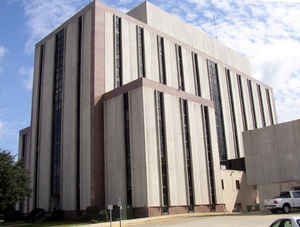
(120, 205)
(110, 207)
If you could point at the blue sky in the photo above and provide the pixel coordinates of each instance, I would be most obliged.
(267, 31)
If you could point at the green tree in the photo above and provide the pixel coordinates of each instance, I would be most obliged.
(14, 181)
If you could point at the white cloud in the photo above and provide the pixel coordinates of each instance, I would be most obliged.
(1, 128)
(27, 74)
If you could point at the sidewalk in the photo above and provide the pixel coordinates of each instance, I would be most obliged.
(163, 218)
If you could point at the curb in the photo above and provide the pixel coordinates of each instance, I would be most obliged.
(164, 218)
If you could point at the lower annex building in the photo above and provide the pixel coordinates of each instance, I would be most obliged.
(142, 108)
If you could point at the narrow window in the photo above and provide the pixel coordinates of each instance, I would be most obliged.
(242, 102)
(24, 137)
(37, 145)
(209, 157)
(57, 119)
(162, 149)
(262, 111)
(252, 103)
(161, 60)
(232, 113)
(216, 97)
(80, 24)
(127, 149)
(222, 183)
(237, 184)
(117, 52)
(196, 74)
(270, 106)
(187, 151)
(140, 51)
(179, 67)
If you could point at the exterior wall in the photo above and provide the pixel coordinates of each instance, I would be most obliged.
(151, 151)
(237, 199)
(257, 105)
(188, 71)
(170, 59)
(248, 107)
(115, 166)
(279, 145)
(46, 109)
(198, 154)
(176, 170)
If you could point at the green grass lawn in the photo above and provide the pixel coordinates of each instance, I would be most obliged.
(44, 224)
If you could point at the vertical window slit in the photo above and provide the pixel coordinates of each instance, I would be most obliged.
(161, 60)
(127, 149)
(216, 97)
(209, 155)
(270, 106)
(37, 145)
(242, 102)
(252, 103)
(162, 149)
(140, 51)
(118, 78)
(179, 64)
(187, 151)
(57, 119)
(196, 74)
(232, 112)
(262, 111)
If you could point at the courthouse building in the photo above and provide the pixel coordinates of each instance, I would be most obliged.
(140, 108)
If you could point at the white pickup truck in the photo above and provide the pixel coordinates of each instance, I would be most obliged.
(284, 202)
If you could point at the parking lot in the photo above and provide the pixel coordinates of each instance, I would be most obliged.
(234, 220)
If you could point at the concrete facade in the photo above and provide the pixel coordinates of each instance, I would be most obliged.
(101, 48)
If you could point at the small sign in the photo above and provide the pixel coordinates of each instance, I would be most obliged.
(110, 207)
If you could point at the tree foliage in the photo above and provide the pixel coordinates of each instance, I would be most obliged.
(14, 181)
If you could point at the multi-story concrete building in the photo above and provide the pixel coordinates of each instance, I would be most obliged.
(140, 108)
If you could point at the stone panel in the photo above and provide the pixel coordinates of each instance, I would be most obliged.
(171, 68)
(188, 73)
(109, 53)
(151, 57)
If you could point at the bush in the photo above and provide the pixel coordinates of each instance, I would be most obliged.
(92, 213)
(56, 215)
(36, 214)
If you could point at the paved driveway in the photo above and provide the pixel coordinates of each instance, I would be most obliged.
(241, 220)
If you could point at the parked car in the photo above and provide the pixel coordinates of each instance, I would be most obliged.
(286, 222)
(284, 202)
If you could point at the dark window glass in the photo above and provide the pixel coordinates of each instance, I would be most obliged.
(161, 60)
(237, 184)
(296, 194)
(37, 145)
(232, 110)
(80, 28)
(209, 156)
(127, 149)
(285, 195)
(216, 97)
(179, 67)
(162, 149)
(262, 111)
(187, 150)
(57, 118)
(117, 52)
(270, 106)
(140, 51)
(241, 93)
(252, 103)
(196, 74)
(222, 183)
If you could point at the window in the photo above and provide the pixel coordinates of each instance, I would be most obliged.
(127, 149)
(261, 105)
(285, 195)
(237, 184)
(179, 67)
(270, 106)
(117, 52)
(242, 102)
(209, 156)
(57, 118)
(162, 148)
(232, 110)
(161, 60)
(216, 97)
(140, 51)
(80, 28)
(296, 194)
(196, 74)
(37, 145)
(252, 104)
(187, 150)
(222, 183)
